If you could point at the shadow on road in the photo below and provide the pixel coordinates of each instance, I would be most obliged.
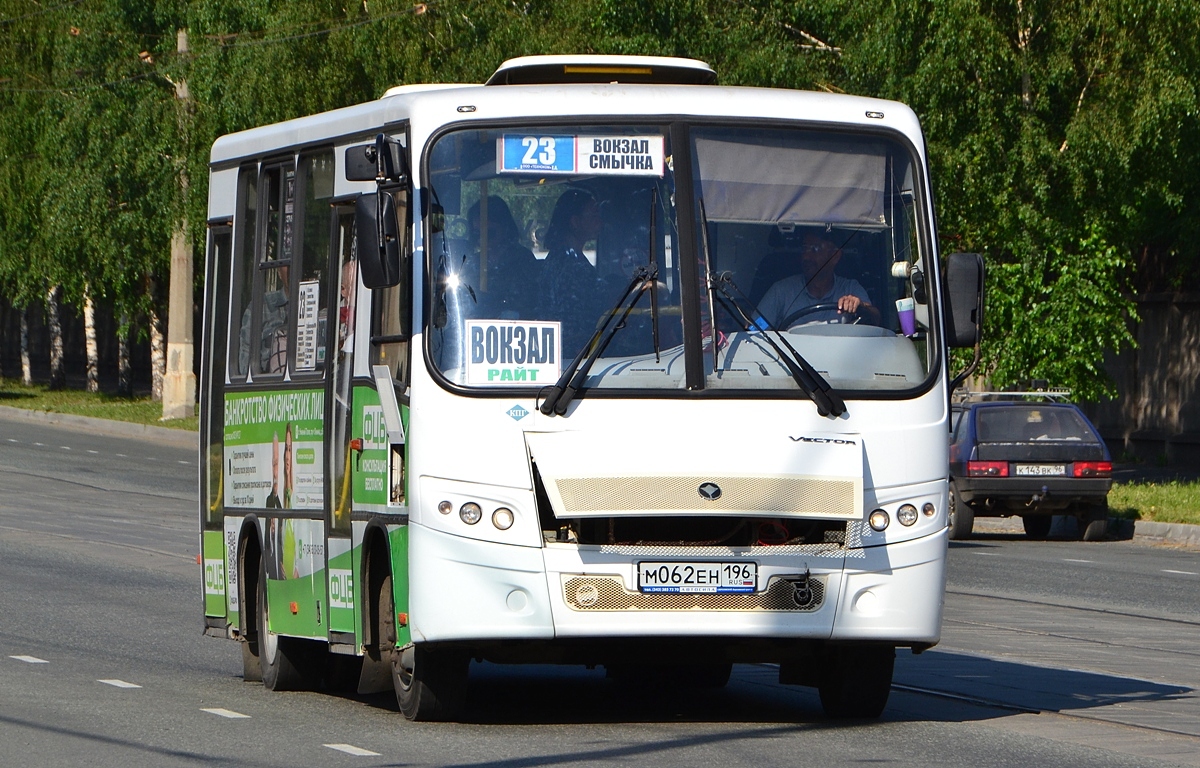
(564, 695)
(1020, 686)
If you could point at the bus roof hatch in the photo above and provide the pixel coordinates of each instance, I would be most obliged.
(553, 70)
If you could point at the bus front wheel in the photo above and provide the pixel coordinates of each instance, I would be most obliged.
(429, 684)
(855, 680)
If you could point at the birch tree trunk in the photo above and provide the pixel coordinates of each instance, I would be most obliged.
(89, 335)
(158, 356)
(26, 365)
(58, 373)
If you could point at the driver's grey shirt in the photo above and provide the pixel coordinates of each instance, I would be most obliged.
(790, 295)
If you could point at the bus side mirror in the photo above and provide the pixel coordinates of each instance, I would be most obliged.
(964, 299)
(381, 162)
(379, 239)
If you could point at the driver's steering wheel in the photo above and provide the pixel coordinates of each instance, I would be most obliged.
(823, 307)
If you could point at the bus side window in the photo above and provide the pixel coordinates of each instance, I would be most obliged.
(243, 284)
(276, 245)
(391, 318)
(316, 174)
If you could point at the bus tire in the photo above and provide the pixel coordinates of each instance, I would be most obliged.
(251, 663)
(962, 516)
(855, 681)
(429, 684)
(280, 658)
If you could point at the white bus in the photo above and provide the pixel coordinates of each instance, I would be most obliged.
(597, 363)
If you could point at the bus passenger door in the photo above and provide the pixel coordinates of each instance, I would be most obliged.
(342, 562)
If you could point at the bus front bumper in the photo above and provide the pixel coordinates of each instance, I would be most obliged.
(466, 590)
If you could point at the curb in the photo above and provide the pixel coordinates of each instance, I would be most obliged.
(1175, 533)
(179, 438)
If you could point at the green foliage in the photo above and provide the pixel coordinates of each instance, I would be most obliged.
(1063, 136)
(1169, 502)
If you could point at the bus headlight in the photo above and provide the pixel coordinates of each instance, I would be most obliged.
(470, 513)
(928, 509)
(879, 520)
(502, 518)
(907, 514)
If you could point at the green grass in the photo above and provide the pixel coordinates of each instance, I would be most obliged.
(1171, 502)
(39, 397)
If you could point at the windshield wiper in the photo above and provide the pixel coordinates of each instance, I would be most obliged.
(807, 378)
(573, 376)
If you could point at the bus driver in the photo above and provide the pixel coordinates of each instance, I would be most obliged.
(784, 303)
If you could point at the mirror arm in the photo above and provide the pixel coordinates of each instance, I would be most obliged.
(957, 381)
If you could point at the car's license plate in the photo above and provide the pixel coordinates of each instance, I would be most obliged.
(1041, 469)
(697, 577)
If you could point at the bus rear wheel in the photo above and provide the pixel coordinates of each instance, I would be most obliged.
(855, 681)
(286, 662)
(429, 684)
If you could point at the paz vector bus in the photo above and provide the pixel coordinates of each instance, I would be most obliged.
(597, 363)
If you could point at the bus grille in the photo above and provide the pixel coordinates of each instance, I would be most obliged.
(801, 496)
(608, 593)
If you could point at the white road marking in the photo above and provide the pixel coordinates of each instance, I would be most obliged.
(41, 445)
(115, 683)
(989, 554)
(350, 749)
(29, 659)
(1072, 560)
(66, 447)
(229, 713)
(123, 456)
(1181, 573)
(13, 441)
(185, 462)
(91, 451)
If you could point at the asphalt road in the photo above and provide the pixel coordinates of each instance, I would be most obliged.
(1053, 653)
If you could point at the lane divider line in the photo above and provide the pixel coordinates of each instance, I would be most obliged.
(115, 683)
(229, 713)
(350, 749)
(1181, 573)
(29, 659)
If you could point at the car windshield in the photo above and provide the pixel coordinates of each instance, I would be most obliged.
(1032, 423)
(811, 237)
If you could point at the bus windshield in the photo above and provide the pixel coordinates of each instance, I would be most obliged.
(803, 244)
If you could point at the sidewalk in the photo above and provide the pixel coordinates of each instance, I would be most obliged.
(182, 438)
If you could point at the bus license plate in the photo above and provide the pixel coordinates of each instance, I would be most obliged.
(1041, 469)
(697, 577)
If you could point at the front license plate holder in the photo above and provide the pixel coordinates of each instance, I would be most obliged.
(1041, 470)
(697, 576)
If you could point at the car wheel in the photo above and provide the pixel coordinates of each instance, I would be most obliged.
(962, 516)
(1093, 523)
(1037, 526)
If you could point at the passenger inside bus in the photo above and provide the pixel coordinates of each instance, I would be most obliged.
(571, 286)
(273, 339)
(817, 293)
(511, 270)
